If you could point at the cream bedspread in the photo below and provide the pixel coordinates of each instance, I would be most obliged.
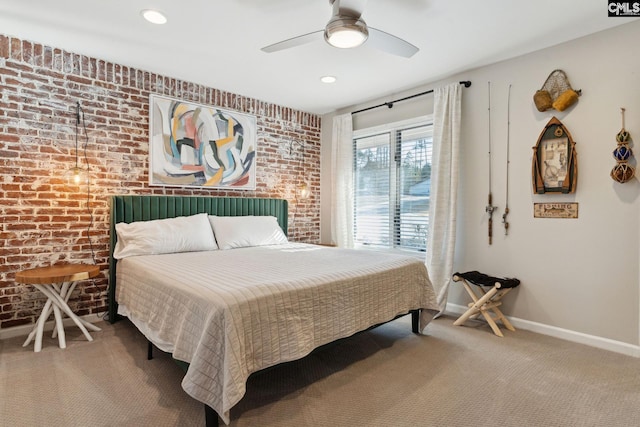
(231, 313)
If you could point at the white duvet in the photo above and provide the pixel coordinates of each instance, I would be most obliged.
(229, 313)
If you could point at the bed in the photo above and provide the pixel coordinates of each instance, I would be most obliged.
(250, 299)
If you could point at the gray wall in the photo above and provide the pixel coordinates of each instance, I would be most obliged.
(579, 275)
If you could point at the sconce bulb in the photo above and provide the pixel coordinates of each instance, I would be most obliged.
(304, 191)
(77, 176)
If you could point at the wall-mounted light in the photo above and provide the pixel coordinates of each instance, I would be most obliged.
(303, 189)
(78, 175)
(328, 79)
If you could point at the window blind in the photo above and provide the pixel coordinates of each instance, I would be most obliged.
(392, 186)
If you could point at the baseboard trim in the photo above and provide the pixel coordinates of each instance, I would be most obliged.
(24, 330)
(565, 334)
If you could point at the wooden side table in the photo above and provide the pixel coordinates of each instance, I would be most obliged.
(57, 283)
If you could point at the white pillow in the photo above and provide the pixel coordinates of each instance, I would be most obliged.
(244, 231)
(164, 236)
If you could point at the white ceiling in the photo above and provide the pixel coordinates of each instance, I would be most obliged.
(217, 43)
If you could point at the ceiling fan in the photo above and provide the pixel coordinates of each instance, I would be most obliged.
(346, 29)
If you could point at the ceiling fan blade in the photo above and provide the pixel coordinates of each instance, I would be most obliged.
(293, 42)
(390, 43)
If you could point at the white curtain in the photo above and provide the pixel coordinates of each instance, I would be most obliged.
(342, 181)
(444, 189)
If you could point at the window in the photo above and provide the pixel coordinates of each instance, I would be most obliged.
(392, 170)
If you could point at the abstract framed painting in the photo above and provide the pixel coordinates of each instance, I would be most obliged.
(193, 145)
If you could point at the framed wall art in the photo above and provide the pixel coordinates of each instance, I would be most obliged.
(193, 145)
(555, 163)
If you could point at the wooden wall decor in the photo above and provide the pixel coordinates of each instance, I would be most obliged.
(555, 210)
(555, 162)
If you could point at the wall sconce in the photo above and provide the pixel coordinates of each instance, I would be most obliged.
(78, 175)
(303, 189)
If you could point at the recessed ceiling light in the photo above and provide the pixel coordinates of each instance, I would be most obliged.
(328, 79)
(154, 16)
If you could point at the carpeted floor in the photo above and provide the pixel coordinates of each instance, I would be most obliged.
(453, 376)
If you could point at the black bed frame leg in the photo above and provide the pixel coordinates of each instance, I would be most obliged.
(415, 321)
(210, 417)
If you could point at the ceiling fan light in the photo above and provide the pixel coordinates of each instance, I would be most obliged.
(346, 33)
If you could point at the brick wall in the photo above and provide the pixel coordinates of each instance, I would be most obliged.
(46, 220)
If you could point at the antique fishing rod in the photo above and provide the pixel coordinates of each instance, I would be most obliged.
(506, 204)
(490, 208)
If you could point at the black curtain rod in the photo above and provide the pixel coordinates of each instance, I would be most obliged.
(389, 104)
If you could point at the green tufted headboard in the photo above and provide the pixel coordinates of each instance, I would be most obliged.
(144, 208)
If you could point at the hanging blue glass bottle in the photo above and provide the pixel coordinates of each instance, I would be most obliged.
(623, 172)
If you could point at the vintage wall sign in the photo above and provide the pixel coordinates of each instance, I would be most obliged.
(555, 210)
